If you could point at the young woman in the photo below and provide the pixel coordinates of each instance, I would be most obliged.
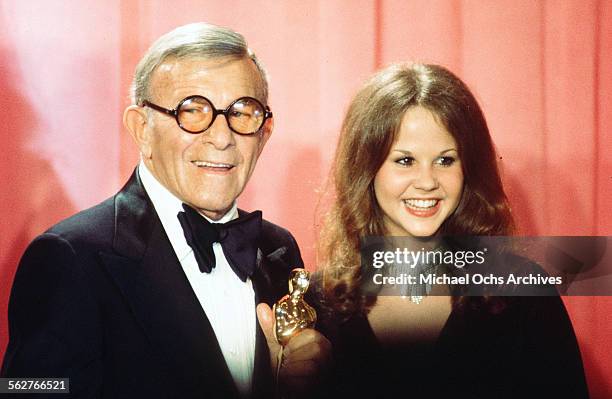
(415, 159)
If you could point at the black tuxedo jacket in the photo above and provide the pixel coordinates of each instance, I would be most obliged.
(102, 299)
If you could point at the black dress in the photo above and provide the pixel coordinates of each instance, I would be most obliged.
(527, 349)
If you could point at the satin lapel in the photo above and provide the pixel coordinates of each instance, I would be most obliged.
(153, 283)
(262, 373)
(271, 275)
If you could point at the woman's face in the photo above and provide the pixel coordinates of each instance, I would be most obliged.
(420, 182)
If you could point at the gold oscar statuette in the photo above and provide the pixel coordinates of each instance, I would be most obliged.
(291, 313)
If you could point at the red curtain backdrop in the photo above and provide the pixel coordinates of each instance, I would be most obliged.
(541, 70)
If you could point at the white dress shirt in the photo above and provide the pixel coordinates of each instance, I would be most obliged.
(228, 302)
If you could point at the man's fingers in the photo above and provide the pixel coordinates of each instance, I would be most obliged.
(301, 376)
(308, 344)
(265, 317)
(306, 358)
(300, 368)
(266, 321)
(302, 338)
(308, 353)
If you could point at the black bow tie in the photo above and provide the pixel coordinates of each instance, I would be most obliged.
(238, 238)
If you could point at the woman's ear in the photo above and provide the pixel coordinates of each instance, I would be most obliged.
(135, 120)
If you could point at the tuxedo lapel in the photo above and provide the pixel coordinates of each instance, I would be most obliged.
(148, 274)
(270, 282)
(262, 373)
(150, 277)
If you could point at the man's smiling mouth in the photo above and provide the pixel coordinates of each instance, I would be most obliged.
(216, 166)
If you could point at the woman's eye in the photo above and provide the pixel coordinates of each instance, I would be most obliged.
(405, 161)
(445, 161)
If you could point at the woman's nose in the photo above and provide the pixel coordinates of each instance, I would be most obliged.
(426, 179)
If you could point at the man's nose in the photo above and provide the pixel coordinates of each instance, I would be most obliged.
(426, 179)
(219, 134)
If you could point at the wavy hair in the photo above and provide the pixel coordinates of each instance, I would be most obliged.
(368, 131)
(195, 40)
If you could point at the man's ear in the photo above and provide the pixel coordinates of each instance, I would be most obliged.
(135, 121)
(266, 132)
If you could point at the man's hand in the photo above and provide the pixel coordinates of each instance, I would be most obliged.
(306, 356)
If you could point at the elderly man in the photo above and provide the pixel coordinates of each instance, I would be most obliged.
(153, 292)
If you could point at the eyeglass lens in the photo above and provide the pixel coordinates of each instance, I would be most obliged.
(244, 116)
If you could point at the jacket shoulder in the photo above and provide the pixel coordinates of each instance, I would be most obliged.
(274, 233)
(277, 242)
(93, 226)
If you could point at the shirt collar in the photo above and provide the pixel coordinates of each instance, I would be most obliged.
(167, 206)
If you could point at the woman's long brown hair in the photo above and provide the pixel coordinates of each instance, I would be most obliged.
(368, 131)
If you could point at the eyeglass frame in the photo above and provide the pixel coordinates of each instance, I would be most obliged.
(216, 112)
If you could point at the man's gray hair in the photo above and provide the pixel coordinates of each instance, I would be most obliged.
(196, 40)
